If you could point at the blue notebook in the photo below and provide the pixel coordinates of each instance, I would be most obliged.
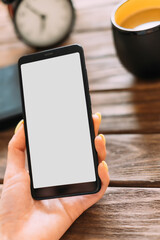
(10, 101)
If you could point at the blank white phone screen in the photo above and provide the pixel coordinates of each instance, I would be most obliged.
(57, 122)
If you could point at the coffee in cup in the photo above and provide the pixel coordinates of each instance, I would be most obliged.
(136, 31)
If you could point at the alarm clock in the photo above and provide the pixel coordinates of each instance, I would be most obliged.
(42, 23)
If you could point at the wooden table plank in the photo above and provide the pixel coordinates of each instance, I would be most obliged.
(88, 4)
(89, 11)
(107, 74)
(128, 111)
(96, 43)
(123, 213)
(132, 159)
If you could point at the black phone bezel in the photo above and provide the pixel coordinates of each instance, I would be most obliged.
(71, 189)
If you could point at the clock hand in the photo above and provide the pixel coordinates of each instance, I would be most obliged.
(42, 16)
(43, 26)
(35, 11)
(43, 22)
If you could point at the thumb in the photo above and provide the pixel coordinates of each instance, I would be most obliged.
(16, 152)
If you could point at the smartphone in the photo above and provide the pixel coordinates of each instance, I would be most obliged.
(58, 123)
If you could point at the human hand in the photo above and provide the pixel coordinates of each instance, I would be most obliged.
(22, 217)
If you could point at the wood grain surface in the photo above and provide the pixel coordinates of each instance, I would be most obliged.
(123, 213)
(133, 159)
(107, 74)
(128, 111)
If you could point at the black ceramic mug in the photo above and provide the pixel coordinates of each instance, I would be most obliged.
(136, 31)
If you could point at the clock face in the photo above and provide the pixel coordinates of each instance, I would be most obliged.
(42, 23)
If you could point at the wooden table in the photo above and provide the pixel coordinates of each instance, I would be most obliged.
(130, 111)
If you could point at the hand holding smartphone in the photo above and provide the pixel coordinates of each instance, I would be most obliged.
(54, 83)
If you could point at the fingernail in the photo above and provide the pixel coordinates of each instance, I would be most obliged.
(103, 137)
(105, 165)
(18, 126)
(99, 115)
